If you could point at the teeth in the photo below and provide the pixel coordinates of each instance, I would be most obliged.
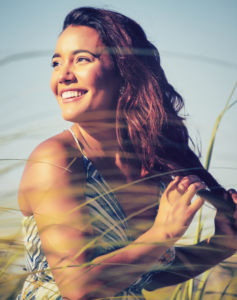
(71, 94)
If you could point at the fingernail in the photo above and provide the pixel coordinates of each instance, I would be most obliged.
(198, 186)
(185, 179)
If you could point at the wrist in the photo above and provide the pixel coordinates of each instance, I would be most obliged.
(161, 237)
(150, 246)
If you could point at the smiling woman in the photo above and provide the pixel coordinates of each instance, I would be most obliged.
(90, 195)
(84, 72)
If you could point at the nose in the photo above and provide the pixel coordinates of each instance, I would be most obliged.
(66, 76)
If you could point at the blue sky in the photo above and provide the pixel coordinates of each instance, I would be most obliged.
(198, 46)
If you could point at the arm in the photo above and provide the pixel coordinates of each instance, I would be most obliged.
(55, 196)
(56, 199)
(191, 261)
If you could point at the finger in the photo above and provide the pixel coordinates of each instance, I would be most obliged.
(233, 195)
(173, 184)
(196, 205)
(231, 191)
(172, 187)
(193, 178)
(192, 190)
(185, 183)
(235, 214)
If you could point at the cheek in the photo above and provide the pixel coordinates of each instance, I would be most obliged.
(89, 77)
(53, 84)
(103, 80)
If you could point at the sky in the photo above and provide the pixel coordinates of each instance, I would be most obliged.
(197, 43)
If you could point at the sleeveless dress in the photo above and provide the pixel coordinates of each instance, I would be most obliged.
(110, 227)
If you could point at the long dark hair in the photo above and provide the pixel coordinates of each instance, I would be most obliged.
(149, 106)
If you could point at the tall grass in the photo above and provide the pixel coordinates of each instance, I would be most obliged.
(187, 289)
(12, 274)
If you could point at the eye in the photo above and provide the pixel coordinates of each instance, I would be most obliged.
(82, 59)
(54, 64)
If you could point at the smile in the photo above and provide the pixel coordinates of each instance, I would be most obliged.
(73, 94)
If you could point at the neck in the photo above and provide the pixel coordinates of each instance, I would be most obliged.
(100, 142)
(101, 137)
(98, 133)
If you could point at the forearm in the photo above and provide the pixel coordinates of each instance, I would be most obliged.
(191, 261)
(109, 274)
(196, 259)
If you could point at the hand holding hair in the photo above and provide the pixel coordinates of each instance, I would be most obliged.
(176, 211)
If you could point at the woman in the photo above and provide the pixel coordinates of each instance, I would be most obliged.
(90, 194)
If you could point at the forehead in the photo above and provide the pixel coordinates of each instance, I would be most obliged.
(79, 37)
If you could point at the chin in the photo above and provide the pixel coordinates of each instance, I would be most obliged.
(71, 117)
(76, 117)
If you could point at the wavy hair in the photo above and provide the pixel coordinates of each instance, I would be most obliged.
(149, 106)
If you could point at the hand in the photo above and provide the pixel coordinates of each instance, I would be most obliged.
(176, 211)
(226, 227)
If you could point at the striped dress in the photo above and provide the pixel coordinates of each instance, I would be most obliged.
(111, 229)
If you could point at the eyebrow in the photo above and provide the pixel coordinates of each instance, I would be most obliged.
(78, 51)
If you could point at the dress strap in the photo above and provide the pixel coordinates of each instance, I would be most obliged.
(76, 140)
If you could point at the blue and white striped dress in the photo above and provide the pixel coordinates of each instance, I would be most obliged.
(110, 226)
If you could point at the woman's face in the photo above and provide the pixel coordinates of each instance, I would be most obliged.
(84, 78)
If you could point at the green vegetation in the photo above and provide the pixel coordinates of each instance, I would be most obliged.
(219, 283)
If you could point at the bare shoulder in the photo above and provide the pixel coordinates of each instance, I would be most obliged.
(52, 189)
(55, 149)
(54, 163)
